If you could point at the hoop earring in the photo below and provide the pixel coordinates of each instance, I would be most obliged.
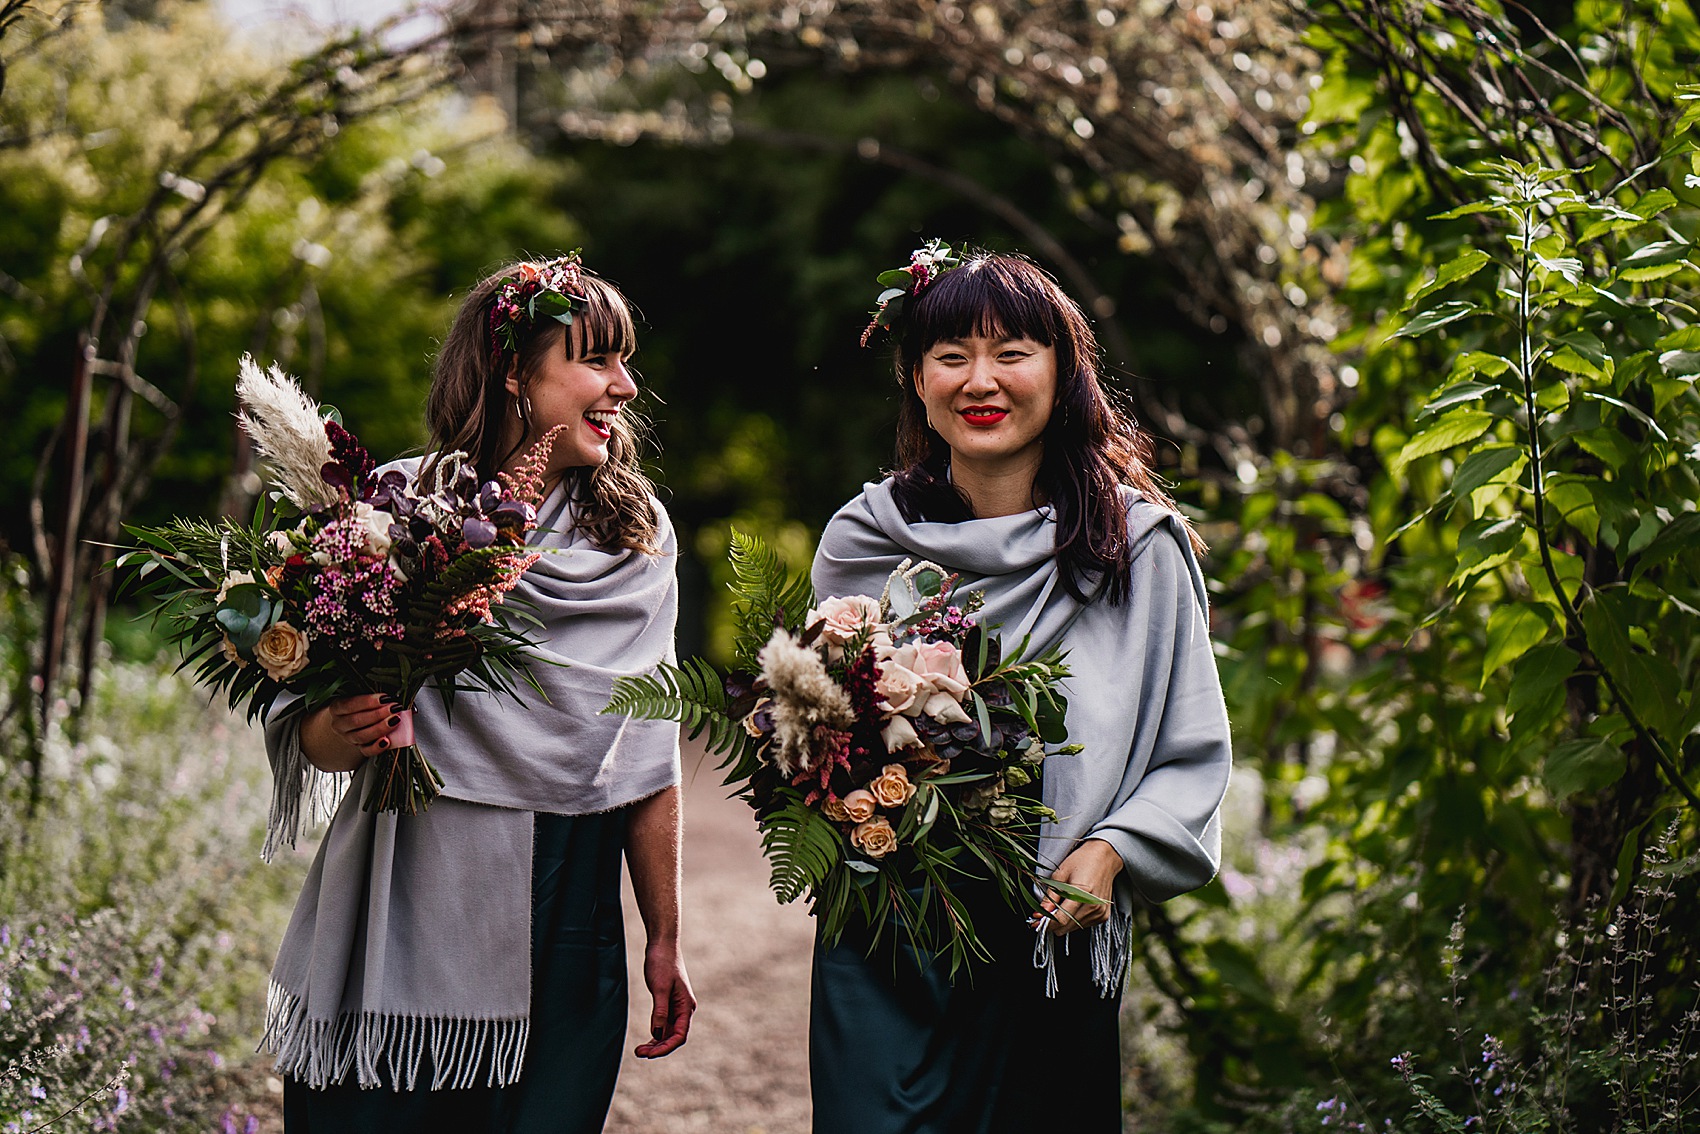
(518, 412)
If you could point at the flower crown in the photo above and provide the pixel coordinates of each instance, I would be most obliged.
(553, 288)
(926, 264)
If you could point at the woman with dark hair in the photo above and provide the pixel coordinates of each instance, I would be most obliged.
(468, 962)
(1017, 470)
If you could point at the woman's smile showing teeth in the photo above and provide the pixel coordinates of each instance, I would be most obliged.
(601, 422)
(984, 416)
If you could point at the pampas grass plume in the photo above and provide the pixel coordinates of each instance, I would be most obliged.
(287, 431)
(804, 695)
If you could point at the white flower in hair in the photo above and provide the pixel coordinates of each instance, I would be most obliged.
(287, 431)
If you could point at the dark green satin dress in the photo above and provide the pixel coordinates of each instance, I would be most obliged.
(896, 1047)
(578, 1011)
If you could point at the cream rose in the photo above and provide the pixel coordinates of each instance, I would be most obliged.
(842, 619)
(939, 664)
(282, 650)
(900, 688)
(898, 734)
(891, 788)
(234, 579)
(874, 838)
(923, 677)
(376, 523)
(859, 805)
(835, 810)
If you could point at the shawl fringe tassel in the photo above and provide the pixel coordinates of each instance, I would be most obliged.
(294, 780)
(322, 1052)
(1111, 944)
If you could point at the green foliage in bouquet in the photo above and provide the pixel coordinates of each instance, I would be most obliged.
(884, 820)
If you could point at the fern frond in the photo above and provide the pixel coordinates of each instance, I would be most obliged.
(469, 570)
(765, 594)
(691, 693)
(802, 845)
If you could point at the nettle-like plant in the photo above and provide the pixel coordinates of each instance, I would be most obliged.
(1570, 429)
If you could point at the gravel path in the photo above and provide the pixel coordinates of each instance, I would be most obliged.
(746, 1067)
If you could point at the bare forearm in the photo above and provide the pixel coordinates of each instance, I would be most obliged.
(653, 855)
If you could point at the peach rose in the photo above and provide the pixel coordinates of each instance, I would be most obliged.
(859, 805)
(282, 650)
(842, 619)
(835, 810)
(891, 788)
(874, 838)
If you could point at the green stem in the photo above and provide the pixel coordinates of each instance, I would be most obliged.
(1573, 621)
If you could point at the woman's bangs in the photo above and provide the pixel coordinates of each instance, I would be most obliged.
(605, 326)
(984, 299)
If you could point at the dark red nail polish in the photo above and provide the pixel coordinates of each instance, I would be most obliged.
(394, 721)
(384, 743)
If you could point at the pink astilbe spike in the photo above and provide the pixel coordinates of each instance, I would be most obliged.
(525, 483)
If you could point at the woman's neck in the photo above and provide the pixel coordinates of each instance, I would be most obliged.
(998, 488)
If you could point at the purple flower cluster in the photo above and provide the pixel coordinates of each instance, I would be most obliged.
(355, 605)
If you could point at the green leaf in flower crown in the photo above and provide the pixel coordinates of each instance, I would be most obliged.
(897, 279)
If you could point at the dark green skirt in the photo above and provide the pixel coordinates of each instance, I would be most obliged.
(578, 1011)
(897, 1047)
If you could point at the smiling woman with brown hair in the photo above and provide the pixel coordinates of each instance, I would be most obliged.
(468, 962)
(1017, 470)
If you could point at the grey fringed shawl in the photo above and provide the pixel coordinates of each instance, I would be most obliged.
(411, 940)
(1144, 698)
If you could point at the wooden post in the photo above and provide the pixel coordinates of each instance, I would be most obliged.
(62, 589)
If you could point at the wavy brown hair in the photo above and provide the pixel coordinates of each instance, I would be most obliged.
(469, 403)
(1092, 445)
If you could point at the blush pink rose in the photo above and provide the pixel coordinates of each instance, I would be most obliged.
(843, 619)
(924, 677)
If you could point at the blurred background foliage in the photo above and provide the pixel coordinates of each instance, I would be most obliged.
(1462, 691)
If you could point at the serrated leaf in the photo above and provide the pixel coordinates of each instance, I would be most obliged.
(1449, 312)
(1648, 683)
(1462, 267)
(1453, 396)
(1512, 630)
(1539, 670)
(1582, 765)
(1485, 466)
(1454, 429)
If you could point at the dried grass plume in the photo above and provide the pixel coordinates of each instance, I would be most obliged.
(804, 696)
(287, 432)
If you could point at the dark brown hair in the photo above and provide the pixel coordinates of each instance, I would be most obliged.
(469, 403)
(1092, 445)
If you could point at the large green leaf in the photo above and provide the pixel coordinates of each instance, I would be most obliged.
(1583, 765)
(1449, 312)
(1446, 432)
(1647, 682)
(1541, 669)
(1462, 267)
(1512, 630)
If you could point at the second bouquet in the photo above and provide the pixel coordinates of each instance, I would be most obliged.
(891, 748)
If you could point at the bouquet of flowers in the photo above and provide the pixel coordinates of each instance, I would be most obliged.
(349, 583)
(889, 747)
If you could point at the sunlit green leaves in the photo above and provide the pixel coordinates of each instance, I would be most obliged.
(1586, 764)
(1512, 630)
